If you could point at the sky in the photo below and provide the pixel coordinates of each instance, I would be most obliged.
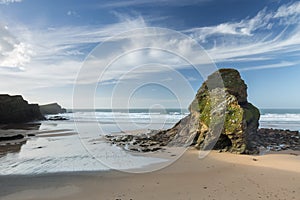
(147, 53)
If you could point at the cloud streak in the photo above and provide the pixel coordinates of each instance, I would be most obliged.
(260, 38)
(127, 3)
(9, 1)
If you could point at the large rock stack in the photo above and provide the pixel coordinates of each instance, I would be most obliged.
(14, 109)
(220, 118)
(227, 121)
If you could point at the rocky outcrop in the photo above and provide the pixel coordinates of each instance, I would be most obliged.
(276, 140)
(14, 109)
(227, 120)
(220, 118)
(51, 109)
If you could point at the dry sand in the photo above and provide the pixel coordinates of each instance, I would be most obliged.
(217, 176)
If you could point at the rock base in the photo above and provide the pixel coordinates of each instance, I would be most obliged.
(266, 139)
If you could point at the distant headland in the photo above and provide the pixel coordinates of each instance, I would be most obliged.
(14, 109)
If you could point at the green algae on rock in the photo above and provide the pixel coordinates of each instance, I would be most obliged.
(238, 118)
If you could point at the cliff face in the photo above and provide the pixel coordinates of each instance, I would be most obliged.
(52, 108)
(14, 109)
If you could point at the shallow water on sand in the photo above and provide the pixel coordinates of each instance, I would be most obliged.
(66, 146)
(77, 144)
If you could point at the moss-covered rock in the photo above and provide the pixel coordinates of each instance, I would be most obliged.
(227, 121)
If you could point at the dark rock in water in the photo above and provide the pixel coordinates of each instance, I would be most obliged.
(137, 143)
(14, 109)
(52, 109)
(57, 118)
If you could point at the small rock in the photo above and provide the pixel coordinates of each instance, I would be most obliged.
(57, 118)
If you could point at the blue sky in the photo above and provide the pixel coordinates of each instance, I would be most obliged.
(44, 44)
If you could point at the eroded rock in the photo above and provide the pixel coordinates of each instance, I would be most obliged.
(226, 120)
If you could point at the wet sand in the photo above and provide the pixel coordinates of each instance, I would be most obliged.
(217, 176)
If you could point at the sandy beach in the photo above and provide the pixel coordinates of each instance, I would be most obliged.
(217, 176)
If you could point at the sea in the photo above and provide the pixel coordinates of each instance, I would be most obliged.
(77, 144)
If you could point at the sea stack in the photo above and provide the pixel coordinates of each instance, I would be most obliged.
(220, 118)
(224, 108)
(14, 109)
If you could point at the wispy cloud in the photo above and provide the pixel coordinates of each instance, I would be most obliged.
(126, 3)
(270, 66)
(288, 10)
(260, 38)
(40, 58)
(56, 43)
(243, 28)
(9, 1)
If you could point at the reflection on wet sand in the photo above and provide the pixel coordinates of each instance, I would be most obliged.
(11, 148)
(27, 126)
(13, 136)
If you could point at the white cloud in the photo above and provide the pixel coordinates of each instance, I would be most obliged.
(254, 39)
(12, 52)
(9, 1)
(288, 10)
(73, 13)
(39, 58)
(18, 57)
(56, 43)
(125, 3)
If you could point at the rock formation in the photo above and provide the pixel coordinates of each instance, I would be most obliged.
(14, 109)
(220, 118)
(227, 120)
(276, 140)
(52, 109)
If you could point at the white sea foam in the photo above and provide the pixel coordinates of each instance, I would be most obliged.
(119, 117)
(280, 117)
